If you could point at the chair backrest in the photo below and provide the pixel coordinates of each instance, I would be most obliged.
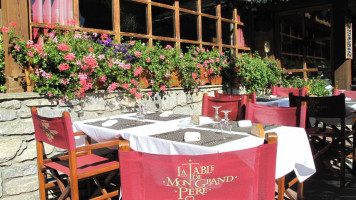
(323, 107)
(242, 174)
(226, 103)
(56, 131)
(348, 93)
(244, 98)
(284, 92)
(284, 116)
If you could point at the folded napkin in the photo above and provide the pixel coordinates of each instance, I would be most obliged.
(348, 99)
(191, 136)
(272, 96)
(244, 123)
(109, 122)
(166, 114)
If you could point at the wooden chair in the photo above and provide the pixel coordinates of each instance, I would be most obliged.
(284, 92)
(326, 108)
(284, 116)
(227, 103)
(79, 164)
(242, 105)
(242, 174)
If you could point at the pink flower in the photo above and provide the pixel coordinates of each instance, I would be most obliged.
(211, 70)
(30, 53)
(110, 64)
(72, 22)
(64, 81)
(101, 56)
(103, 78)
(63, 47)
(138, 71)
(283, 68)
(14, 24)
(138, 54)
(161, 57)
(134, 82)
(290, 86)
(133, 91)
(217, 59)
(63, 66)
(181, 55)
(50, 94)
(167, 75)
(104, 36)
(5, 29)
(194, 76)
(163, 88)
(168, 47)
(305, 79)
(148, 60)
(78, 62)
(290, 73)
(69, 57)
(17, 47)
(138, 95)
(149, 94)
(152, 82)
(132, 42)
(125, 86)
(91, 49)
(112, 86)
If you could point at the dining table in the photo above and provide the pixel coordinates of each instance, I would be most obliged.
(159, 134)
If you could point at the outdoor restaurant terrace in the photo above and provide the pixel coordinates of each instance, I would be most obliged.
(177, 99)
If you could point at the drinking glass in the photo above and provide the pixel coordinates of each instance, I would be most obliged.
(216, 118)
(226, 124)
(140, 112)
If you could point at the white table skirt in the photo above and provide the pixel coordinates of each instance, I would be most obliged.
(293, 151)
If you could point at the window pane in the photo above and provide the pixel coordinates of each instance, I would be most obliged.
(133, 17)
(162, 22)
(227, 9)
(96, 14)
(209, 29)
(168, 2)
(188, 26)
(208, 7)
(185, 46)
(228, 33)
(188, 4)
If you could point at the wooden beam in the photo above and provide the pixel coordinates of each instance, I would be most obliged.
(177, 23)
(149, 23)
(218, 27)
(200, 30)
(116, 21)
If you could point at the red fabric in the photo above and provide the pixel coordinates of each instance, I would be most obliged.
(284, 116)
(348, 93)
(284, 92)
(226, 103)
(85, 164)
(56, 131)
(242, 105)
(245, 174)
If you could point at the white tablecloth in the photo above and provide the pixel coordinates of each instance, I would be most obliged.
(293, 152)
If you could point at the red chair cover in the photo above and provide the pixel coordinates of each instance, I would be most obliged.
(227, 103)
(244, 174)
(284, 92)
(348, 93)
(284, 116)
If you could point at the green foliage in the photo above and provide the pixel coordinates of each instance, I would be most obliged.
(315, 86)
(255, 73)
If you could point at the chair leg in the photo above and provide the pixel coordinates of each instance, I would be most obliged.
(106, 181)
(74, 188)
(281, 188)
(300, 191)
(342, 162)
(42, 188)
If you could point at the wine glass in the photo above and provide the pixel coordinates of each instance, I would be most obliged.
(226, 124)
(216, 118)
(140, 113)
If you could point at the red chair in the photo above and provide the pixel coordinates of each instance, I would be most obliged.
(227, 103)
(284, 116)
(284, 92)
(78, 165)
(348, 93)
(244, 98)
(242, 174)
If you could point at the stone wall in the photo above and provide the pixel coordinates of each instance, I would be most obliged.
(18, 167)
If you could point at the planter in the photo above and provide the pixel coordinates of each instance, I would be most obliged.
(143, 79)
(175, 79)
(212, 80)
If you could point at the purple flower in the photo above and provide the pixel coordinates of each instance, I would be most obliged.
(128, 57)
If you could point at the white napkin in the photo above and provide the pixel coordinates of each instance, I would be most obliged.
(109, 122)
(191, 136)
(166, 114)
(347, 99)
(244, 123)
(272, 96)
